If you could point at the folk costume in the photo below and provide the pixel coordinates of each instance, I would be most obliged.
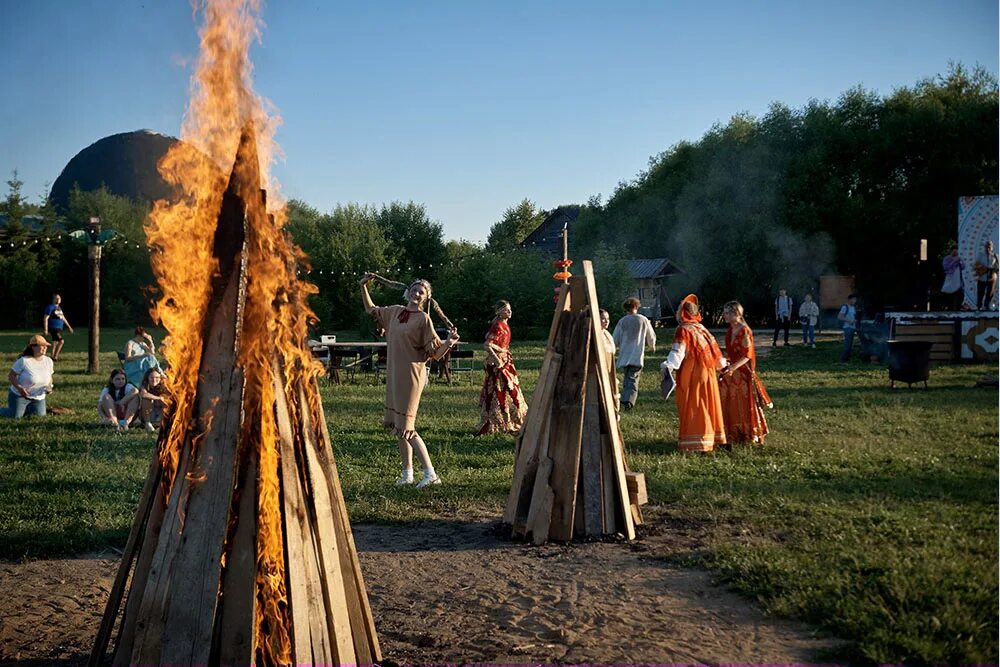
(743, 395)
(410, 342)
(501, 404)
(695, 356)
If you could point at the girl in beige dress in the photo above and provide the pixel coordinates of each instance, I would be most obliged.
(410, 343)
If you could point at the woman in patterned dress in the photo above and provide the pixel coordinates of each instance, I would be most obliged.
(410, 343)
(501, 403)
(743, 395)
(696, 359)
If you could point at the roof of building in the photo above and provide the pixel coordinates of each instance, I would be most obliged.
(641, 269)
(547, 236)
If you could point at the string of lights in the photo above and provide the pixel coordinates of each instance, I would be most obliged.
(123, 242)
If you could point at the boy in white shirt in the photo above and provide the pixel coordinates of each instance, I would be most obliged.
(632, 334)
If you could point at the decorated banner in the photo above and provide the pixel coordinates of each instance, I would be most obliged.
(977, 224)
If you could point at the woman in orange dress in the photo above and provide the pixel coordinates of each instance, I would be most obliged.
(501, 403)
(696, 359)
(743, 395)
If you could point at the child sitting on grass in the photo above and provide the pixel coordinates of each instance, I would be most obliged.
(118, 402)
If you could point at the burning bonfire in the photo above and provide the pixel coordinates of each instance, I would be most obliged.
(240, 551)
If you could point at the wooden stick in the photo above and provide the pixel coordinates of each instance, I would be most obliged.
(592, 507)
(607, 403)
(296, 525)
(568, 423)
(366, 644)
(146, 500)
(539, 413)
(530, 437)
(333, 576)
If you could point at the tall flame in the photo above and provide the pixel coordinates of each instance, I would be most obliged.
(181, 232)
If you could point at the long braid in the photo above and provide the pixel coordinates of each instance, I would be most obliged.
(432, 303)
(440, 313)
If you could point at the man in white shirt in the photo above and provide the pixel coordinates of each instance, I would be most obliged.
(782, 315)
(986, 276)
(632, 334)
(808, 317)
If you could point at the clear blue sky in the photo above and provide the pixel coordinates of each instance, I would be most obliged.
(467, 106)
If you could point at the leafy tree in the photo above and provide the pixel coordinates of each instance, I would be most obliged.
(126, 273)
(27, 267)
(468, 287)
(417, 241)
(850, 187)
(341, 246)
(14, 206)
(515, 225)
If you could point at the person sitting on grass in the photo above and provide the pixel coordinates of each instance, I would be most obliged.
(30, 380)
(152, 399)
(140, 356)
(118, 402)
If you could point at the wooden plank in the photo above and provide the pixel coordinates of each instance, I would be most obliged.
(542, 498)
(332, 575)
(186, 636)
(636, 514)
(296, 525)
(142, 512)
(323, 652)
(636, 482)
(140, 576)
(527, 439)
(525, 501)
(926, 327)
(176, 622)
(532, 434)
(234, 625)
(609, 498)
(567, 418)
(366, 644)
(592, 507)
(563, 305)
(142, 627)
(607, 404)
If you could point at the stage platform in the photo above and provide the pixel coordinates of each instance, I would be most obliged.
(956, 336)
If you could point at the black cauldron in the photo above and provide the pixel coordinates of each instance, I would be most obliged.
(909, 361)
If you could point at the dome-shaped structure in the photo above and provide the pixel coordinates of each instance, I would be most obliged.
(124, 163)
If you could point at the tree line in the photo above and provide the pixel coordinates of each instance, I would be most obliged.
(848, 187)
(756, 204)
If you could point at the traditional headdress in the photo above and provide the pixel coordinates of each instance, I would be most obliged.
(690, 313)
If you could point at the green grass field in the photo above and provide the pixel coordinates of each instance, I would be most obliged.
(870, 512)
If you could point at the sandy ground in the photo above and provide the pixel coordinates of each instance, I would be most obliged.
(461, 592)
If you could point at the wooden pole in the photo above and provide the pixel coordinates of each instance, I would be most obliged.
(94, 332)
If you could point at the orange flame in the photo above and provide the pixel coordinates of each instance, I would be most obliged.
(181, 232)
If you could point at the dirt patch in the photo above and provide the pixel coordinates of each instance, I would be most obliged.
(460, 592)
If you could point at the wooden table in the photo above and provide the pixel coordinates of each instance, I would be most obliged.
(366, 350)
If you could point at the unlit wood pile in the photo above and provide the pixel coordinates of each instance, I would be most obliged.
(570, 474)
(241, 551)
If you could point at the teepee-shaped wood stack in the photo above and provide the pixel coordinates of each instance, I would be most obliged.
(570, 474)
(241, 551)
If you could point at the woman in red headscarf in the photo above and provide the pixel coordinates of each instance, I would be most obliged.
(696, 358)
(743, 395)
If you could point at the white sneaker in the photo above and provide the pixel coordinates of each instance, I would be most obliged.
(428, 480)
(814, 346)
(149, 427)
(405, 479)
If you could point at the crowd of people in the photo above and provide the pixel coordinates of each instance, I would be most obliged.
(720, 398)
(135, 395)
